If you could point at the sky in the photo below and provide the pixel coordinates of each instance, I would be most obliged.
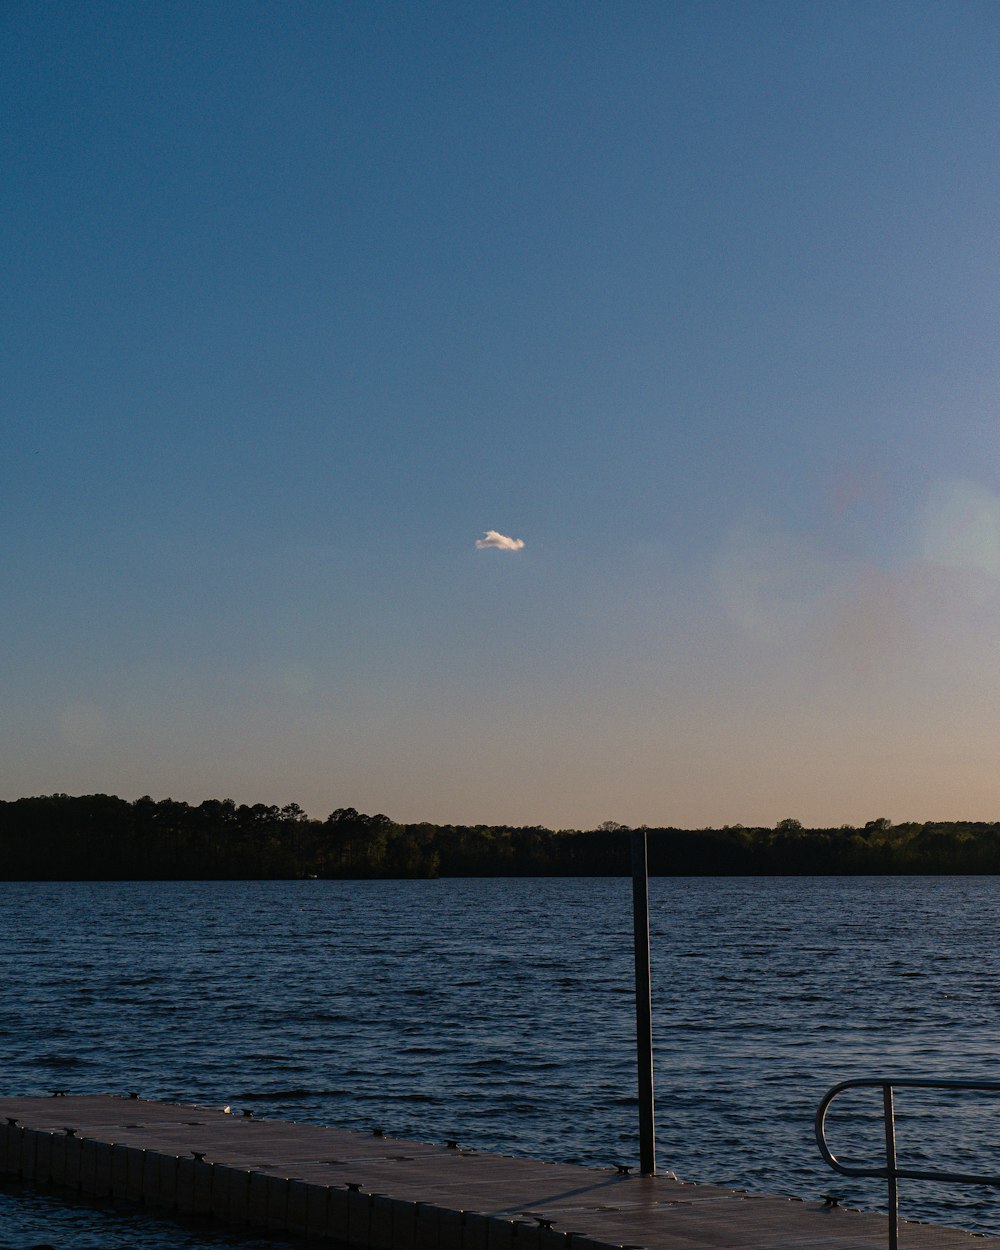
(529, 413)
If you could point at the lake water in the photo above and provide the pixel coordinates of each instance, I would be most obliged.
(501, 1013)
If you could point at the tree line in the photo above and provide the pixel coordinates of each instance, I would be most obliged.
(61, 837)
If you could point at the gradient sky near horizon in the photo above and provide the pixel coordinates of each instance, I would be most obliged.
(699, 301)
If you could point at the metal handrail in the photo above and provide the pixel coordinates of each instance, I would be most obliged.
(890, 1170)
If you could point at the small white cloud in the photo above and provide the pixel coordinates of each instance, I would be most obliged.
(500, 542)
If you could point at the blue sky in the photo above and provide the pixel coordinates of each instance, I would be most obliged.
(699, 300)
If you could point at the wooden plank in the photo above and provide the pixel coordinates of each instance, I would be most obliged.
(392, 1194)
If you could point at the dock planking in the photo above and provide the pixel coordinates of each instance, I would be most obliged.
(391, 1194)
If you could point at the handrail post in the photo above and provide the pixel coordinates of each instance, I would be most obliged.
(643, 1004)
(892, 1180)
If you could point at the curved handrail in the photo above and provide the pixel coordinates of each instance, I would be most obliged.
(891, 1172)
(890, 1169)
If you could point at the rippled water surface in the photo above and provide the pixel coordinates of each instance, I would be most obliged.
(501, 1013)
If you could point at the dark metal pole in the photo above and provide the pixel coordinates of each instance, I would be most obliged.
(643, 1003)
(889, 1114)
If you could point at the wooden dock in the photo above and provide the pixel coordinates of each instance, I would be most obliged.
(375, 1191)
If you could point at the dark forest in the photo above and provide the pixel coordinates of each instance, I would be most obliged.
(60, 837)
